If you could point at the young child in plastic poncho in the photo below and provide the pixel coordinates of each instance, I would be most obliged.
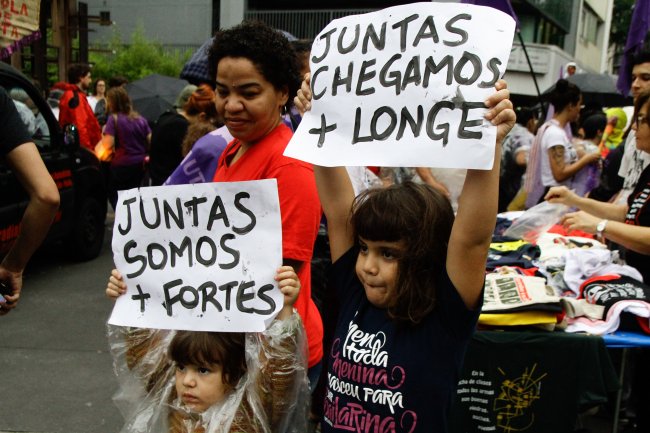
(209, 382)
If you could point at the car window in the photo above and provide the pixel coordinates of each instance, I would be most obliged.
(30, 114)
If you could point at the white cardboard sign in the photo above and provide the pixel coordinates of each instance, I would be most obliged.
(199, 257)
(405, 86)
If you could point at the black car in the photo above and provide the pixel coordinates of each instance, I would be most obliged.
(79, 223)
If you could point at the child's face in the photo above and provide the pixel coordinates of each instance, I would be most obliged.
(199, 387)
(377, 269)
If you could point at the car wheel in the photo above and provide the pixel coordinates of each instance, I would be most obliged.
(88, 233)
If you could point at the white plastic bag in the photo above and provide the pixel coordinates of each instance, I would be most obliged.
(536, 220)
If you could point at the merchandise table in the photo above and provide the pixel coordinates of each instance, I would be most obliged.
(533, 382)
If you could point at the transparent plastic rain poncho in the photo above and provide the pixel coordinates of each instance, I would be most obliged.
(272, 396)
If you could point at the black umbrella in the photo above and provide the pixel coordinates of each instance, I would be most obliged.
(154, 94)
(597, 89)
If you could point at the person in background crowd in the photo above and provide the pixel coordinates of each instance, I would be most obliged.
(257, 74)
(129, 134)
(553, 159)
(634, 161)
(202, 114)
(166, 139)
(117, 81)
(627, 225)
(19, 152)
(74, 107)
(97, 101)
(514, 155)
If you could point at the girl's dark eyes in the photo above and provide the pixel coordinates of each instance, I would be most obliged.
(204, 370)
(180, 367)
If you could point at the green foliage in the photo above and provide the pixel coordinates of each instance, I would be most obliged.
(138, 59)
(621, 17)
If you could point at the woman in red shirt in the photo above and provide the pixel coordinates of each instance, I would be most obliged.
(257, 76)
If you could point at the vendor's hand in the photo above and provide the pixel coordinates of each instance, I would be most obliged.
(302, 101)
(116, 286)
(14, 281)
(561, 194)
(580, 221)
(289, 285)
(501, 113)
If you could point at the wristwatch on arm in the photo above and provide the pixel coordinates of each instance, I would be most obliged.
(600, 229)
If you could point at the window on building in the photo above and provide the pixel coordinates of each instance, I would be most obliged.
(590, 25)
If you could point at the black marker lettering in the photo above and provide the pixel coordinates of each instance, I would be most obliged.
(357, 125)
(476, 69)
(412, 73)
(430, 68)
(138, 258)
(233, 252)
(353, 44)
(192, 206)
(378, 41)
(228, 289)
(261, 294)
(314, 76)
(209, 297)
(389, 129)
(339, 80)
(416, 126)
(493, 66)
(242, 296)
(129, 215)
(403, 26)
(395, 75)
(170, 301)
(193, 301)
(178, 251)
(243, 209)
(457, 31)
(365, 76)
(427, 31)
(327, 37)
(211, 259)
(431, 118)
(218, 212)
(146, 223)
(464, 123)
(168, 212)
(151, 249)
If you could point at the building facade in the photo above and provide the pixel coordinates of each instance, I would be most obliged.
(554, 32)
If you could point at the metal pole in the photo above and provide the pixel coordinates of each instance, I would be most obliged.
(530, 65)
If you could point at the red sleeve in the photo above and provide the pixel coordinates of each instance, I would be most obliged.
(300, 210)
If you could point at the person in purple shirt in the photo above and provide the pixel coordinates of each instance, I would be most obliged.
(129, 134)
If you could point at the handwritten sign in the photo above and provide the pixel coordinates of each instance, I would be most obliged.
(199, 257)
(405, 86)
(18, 24)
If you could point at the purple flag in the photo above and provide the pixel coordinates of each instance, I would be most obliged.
(638, 28)
(502, 5)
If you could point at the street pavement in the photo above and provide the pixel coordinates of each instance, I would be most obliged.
(55, 368)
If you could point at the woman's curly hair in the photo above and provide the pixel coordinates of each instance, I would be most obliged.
(268, 49)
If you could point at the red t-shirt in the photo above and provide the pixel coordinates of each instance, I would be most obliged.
(299, 207)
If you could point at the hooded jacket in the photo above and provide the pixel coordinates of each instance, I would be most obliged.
(74, 108)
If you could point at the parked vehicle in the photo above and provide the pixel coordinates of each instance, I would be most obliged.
(79, 223)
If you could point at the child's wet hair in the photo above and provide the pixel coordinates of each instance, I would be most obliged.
(422, 218)
(205, 348)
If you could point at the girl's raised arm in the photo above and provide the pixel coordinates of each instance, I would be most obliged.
(477, 209)
(334, 190)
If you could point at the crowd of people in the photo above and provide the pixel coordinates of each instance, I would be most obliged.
(405, 254)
